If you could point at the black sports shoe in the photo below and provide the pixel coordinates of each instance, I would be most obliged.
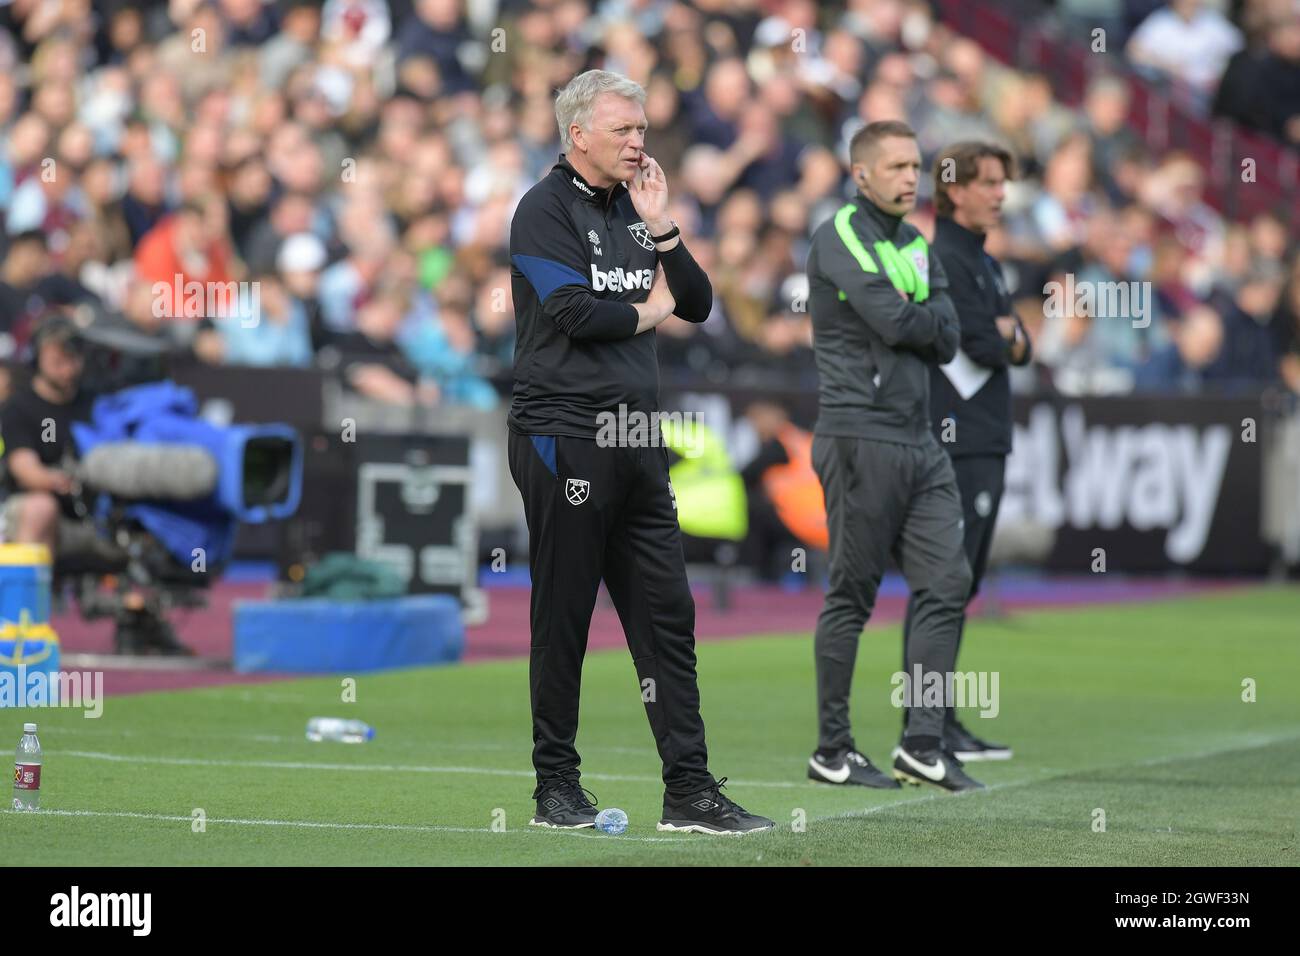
(966, 746)
(931, 766)
(850, 767)
(146, 631)
(564, 804)
(710, 811)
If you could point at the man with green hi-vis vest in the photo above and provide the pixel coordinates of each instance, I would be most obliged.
(881, 317)
(707, 489)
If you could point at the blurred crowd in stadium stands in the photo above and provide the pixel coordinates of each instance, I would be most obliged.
(360, 161)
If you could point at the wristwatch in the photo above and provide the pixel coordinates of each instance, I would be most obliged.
(672, 233)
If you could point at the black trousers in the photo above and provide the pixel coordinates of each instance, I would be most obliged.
(885, 499)
(608, 512)
(980, 481)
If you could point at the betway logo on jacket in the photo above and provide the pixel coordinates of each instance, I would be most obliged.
(618, 279)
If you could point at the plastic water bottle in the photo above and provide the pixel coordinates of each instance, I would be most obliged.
(340, 729)
(27, 771)
(612, 821)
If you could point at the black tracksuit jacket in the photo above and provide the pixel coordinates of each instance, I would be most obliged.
(581, 257)
(983, 421)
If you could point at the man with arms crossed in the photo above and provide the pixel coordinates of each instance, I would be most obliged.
(597, 265)
(970, 398)
(881, 316)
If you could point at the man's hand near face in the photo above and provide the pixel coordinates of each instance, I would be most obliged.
(649, 191)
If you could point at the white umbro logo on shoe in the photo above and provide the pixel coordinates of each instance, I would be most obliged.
(705, 805)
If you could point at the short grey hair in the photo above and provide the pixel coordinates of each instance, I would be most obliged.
(576, 101)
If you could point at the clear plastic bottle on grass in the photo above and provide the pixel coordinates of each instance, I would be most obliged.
(611, 820)
(340, 729)
(27, 771)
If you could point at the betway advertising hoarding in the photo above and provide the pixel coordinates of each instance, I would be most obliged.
(1158, 484)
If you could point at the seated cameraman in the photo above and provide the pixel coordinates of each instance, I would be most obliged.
(36, 425)
(43, 506)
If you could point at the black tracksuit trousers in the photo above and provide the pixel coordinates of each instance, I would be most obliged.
(608, 512)
(883, 499)
(980, 480)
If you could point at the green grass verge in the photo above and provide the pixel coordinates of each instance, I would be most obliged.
(1135, 710)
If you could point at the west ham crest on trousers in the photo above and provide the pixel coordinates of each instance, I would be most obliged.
(576, 489)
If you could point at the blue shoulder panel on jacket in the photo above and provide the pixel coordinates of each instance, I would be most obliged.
(546, 275)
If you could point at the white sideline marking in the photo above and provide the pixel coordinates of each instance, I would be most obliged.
(307, 824)
(327, 825)
(75, 730)
(389, 768)
(1249, 742)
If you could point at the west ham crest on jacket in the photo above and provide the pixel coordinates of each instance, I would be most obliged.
(641, 232)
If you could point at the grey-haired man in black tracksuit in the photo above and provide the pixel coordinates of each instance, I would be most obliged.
(587, 244)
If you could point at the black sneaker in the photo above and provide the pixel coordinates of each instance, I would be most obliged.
(850, 767)
(710, 811)
(967, 746)
(931, 766)
(128, 638)
(564, 804)
(146, 632)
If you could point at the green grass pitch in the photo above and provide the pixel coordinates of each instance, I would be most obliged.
(1135, 710)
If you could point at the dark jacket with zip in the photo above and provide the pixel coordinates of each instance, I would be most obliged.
(981, 423)
(581, 257)
(881, 318)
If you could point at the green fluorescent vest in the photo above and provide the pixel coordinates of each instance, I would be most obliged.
(710, 493)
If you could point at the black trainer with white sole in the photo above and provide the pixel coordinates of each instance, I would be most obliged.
(849, 767)
(710, 811)
(564, 804)
(967, 747)
(931, 766)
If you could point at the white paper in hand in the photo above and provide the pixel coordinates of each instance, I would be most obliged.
(966, 377)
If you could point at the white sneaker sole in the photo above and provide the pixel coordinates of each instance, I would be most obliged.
(967, 756)
(700, 828)
(915, 780)
(902, 776)
(534, 822)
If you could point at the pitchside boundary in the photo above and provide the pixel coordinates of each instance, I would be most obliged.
(1248, 742)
